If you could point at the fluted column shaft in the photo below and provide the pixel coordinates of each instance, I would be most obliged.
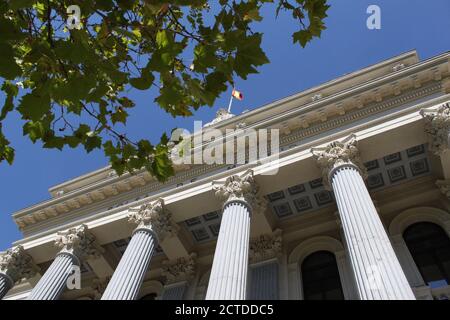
(127, 279)
(377, 271)
(6, 283)
(54, 280)
(228, 280)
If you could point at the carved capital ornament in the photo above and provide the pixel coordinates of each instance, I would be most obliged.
(437, 127)
(181, 269)
(337, 154)
(154, 216)
(17, 264)
(240, 188)
(444, 187)
(78, 241)
(265, 247)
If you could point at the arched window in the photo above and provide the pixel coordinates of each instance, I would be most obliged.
(320, 277)
(430, 248)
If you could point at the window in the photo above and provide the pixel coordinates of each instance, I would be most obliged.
(320, 277)
(430, 248)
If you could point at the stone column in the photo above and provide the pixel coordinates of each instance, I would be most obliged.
(178, 273)
(154, 224)
(264, 253)
(377, 271)
(75, 244)
(228, 280)
(15, 264)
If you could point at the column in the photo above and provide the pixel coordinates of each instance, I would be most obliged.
(76, 244)
(377, 271)
(264, 252)
(15, 264)
(228, 280)
(178, 273)
(153, 224)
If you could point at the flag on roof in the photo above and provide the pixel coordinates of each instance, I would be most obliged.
(237, 94)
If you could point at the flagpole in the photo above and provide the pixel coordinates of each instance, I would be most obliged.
(229, 105)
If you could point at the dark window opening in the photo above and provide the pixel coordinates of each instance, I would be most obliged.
(429, 246)
(320, 275)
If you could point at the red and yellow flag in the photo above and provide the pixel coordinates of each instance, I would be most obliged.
(237, 94)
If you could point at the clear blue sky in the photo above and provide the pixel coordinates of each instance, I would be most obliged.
(347, 45)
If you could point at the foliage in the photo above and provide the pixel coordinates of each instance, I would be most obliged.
(69, 84)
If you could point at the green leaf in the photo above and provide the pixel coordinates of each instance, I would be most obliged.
(35, 130)
(302, 37)
(94, 142)
(11, 91)
(144, 82)
(119, 116)
(250, 55)
(163, 39)
(9, 69)
(33, 106)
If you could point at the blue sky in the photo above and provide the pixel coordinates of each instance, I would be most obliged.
(347, 45)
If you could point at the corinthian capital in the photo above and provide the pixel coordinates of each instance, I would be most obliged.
(181, 269)
(17, 264)
(437, 127)
(444, 187)
(239, 188)
(154, 216)
(265, 247)
(78, 241)
(336, 154)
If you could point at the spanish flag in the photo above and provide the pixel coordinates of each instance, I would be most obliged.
(238, 95)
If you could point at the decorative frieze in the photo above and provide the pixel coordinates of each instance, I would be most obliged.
(80, 242)
(265, 247)
(178, 270)
(154, 216)
(307, 130)
(17, 264)
(437, 127)
(337, 154)
(446, 85)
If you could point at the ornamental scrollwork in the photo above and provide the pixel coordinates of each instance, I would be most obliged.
(155, 216)
(336, 154)
(17, 264)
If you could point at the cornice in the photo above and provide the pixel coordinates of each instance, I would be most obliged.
(99, 195)
(36, 216)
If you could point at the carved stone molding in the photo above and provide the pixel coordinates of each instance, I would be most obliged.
(265, 247)
(308, 128)
(444, 187)
(240, 188)
(79, 242)
(154, 216)
(181, 269)
(17, 264)
(446, 85)
(336, 154)
(437, 127)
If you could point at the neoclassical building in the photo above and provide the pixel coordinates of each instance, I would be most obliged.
(358, 209)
